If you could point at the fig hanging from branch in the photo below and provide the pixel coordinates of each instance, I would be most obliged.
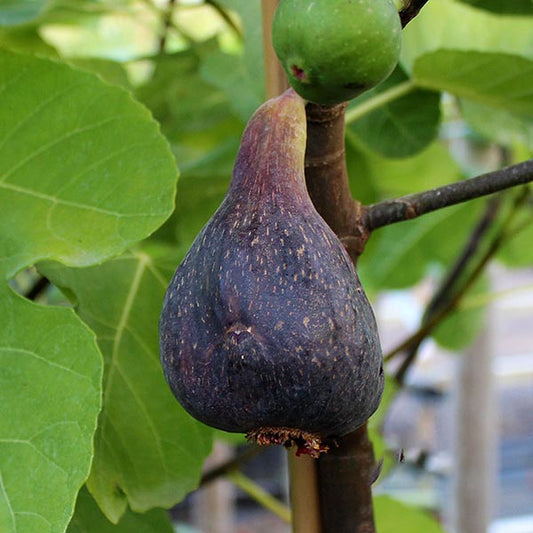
(334, 50)
(265, 328)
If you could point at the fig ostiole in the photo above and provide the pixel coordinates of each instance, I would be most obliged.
(333, 50)
(265, 329)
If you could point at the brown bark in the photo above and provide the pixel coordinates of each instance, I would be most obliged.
(345, 473)
(327, 177)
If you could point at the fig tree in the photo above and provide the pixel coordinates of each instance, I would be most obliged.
(333, 50)
(265, 328)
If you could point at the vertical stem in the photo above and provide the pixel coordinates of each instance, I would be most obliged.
(304, 494)
(345, 472)
(167, 21)
(302, 470)
(475, 440)
(327, 177)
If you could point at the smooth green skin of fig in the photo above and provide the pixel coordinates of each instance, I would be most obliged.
(333, 50)
(265, 323)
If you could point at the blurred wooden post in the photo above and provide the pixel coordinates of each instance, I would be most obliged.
(475, 440)
(213, 510)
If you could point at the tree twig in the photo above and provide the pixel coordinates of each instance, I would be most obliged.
(235, 463)
(167, 23)
(414, 205)
(450, 280)
(426, 329)
(225, 16)
(260, 495)
(410, 10)
(445, 291)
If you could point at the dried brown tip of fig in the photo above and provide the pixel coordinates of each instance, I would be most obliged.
(306, 443)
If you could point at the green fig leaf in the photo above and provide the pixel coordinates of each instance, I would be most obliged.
(517, 251)
(25, 39)
(463, 325)
(401, 127)
(195, 116)
(381, 450)
(89, 519)
(516, 7)
(249, 13)
(199, 199)
(458, 26)
(148, 451)
(84, 170)
(50, 393)
(404, 251)
(498, 125)
(228, 72)
(396, 177)
(393, 517)
(498, 80)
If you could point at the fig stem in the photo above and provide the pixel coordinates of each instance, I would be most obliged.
(344, 473)
(260, 495)
(379, 100)
(304, 494)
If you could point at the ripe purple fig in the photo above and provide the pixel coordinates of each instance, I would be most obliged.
(265, 328)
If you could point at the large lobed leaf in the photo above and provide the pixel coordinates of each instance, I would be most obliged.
(148, 451)
(84, 170)
(447, 24)
(89, 519)
(402, 127)
(50, 393)
(515, 7)
(393, 516)
(499, 80)
(402, 254)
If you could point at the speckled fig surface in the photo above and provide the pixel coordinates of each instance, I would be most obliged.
(265, 328)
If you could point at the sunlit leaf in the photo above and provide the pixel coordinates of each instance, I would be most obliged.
(148, 451)
(50, 393)
(454, 25)
(499, 80)
(84, 171)
(498, 125)
(395, 517)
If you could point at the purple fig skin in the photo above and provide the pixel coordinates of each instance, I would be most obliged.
(265, 323)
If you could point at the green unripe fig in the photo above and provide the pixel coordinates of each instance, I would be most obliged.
(333, 50)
